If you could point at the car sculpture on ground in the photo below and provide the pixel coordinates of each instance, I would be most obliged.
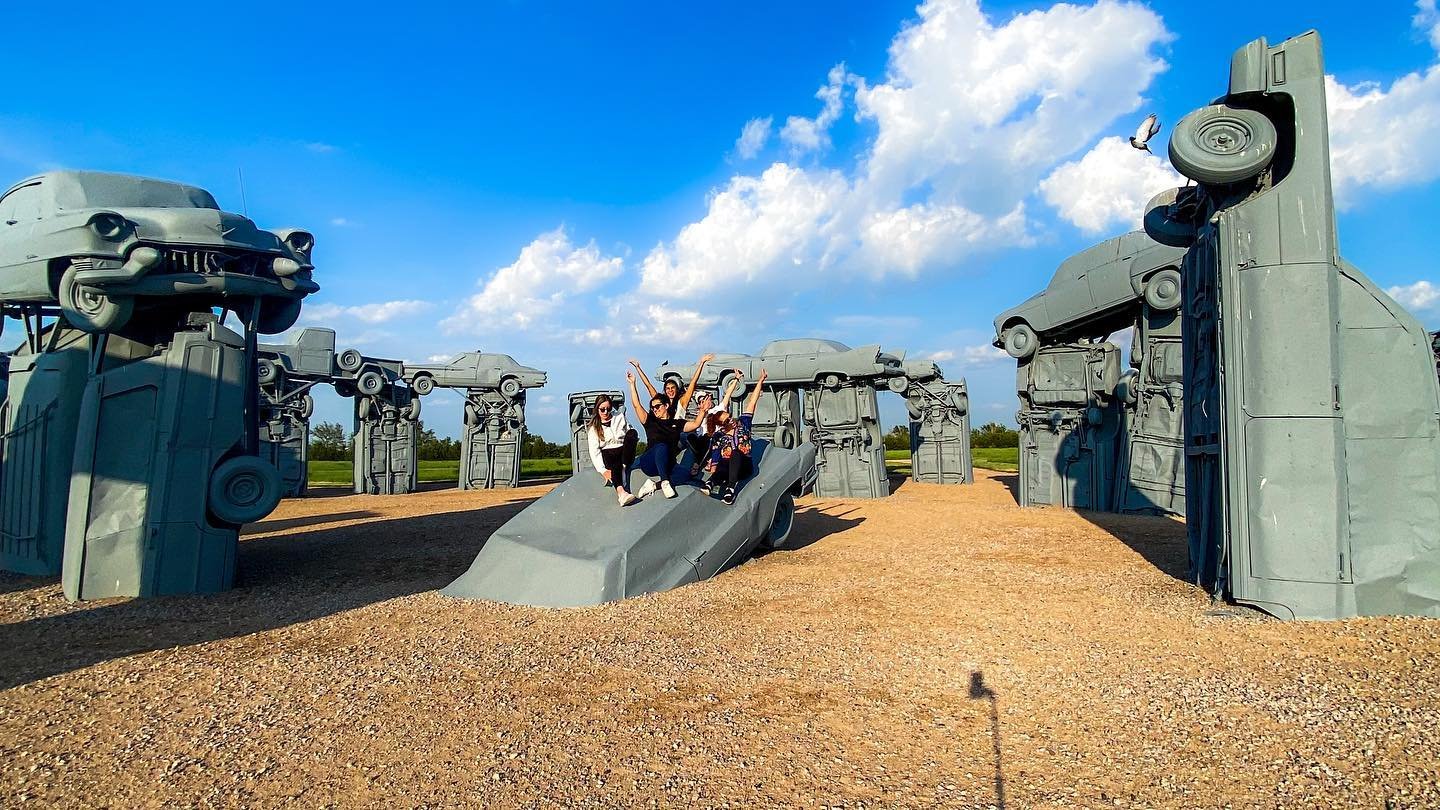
(99, 243)
(1090, 287)
(475, 370)
(800, 361)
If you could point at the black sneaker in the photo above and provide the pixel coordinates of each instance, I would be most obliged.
(729, 496)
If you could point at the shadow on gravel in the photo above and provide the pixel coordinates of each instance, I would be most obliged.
(309, 520)
(281, 581)
(1160, 540)
(813, 525)
(10, 582)
(1011, 481)
(980, 691)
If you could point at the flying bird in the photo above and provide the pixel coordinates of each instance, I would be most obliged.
(1147, 130)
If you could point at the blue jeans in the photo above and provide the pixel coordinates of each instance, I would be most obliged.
(658, 461)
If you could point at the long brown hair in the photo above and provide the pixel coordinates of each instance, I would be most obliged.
(595, 423)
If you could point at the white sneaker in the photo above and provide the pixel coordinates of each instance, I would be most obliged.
(667, 489)
(624, 497)
(646, 488)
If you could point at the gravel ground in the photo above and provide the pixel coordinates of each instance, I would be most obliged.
(940, 647)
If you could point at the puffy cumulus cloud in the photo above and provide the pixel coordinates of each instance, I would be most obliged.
(813, 134)
(1108, 187)
(549, 272)
(969, 118)
(978, 355)
(978, 111)
(755, 226)
(1381, 137)
(1421, 295)
(366, 313)
(630, 321)
(753, 137)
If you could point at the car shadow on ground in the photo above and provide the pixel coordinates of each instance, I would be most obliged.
(282, 580)
(1160, 540)
(814, 523)
(1011, 481)
(266, 526)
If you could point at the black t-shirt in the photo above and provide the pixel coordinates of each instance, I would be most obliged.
(663, 430)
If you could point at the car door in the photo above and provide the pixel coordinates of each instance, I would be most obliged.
(20, 210)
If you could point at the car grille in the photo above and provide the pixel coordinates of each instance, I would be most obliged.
(215, 262)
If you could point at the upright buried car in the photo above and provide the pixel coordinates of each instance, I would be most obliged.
(100, 244)
(475, 370)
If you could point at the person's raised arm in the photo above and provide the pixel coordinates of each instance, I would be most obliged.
(755, 395)
(635, 399)
(730, 389)
(694, 380)
(643, 378)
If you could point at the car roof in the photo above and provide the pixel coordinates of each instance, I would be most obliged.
(803, 346)
(85, 189)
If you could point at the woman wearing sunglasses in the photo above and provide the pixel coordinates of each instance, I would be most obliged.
(662, 439)
(612, 448)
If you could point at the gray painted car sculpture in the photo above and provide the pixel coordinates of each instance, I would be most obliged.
(797, 361)
(574, 547)
(100, 243)
(1091, 286)
(475, 370)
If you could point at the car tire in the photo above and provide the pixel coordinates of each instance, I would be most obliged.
(423, 384)
(1021, 341)
(1220, 144)
(244, 489)
(266, 372)
(370, 383)
(511, 387)
(1160, 227)
(1162, 290)
(960, 401)
(831, 381)
(472, 414)
(412, 410)
(785, 437)
(349, 360)
(898, 384)
(740, 385)
(780, 523)
(914, 410)
(307, 406)
(90, 309)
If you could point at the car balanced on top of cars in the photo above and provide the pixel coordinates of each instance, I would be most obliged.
(474, 370)
(800, 361)
(98, 243)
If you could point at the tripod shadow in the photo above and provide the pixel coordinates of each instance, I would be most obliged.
(980, 691)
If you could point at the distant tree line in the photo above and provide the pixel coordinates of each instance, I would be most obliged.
(991, 434)
(329, 441)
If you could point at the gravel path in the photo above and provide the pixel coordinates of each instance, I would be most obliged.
(940, 647)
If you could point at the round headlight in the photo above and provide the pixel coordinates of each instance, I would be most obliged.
(300, 242)
(285, 267)
(109, 226)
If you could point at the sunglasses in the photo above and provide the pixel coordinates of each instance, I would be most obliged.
(655, 405)
(603, 409)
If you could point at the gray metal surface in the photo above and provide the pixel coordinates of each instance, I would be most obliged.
(286, 374)
(798, 361)
(491, 444)
(95, 242)
(1313, 450)
(39, 416)
(575, 546)
(385, 442)
(1152, 467)
(582, 410)
(161, 481)
(1070, 424)
(939, 413)
(475, 370)
(844, 425)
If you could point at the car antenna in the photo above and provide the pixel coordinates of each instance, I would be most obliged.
(244, 206)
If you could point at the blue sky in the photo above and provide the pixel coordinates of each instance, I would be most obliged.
(572, 185)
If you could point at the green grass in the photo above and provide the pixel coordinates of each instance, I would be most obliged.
(338, 473)
(1004, 459)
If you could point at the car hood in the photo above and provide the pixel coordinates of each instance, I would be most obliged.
(198, 226)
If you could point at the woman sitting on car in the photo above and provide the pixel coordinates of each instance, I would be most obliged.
(730, 461)
(612, 446)
(662, 438)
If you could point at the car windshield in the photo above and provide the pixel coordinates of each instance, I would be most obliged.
(120, 191)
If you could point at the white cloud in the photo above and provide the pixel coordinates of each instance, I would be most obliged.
(978, 355)
(1427, 19)
(906, 240)
(1384, 138)
(813, 134)
(1421, 295)
(753, 137)
(367, 313)
(340, 222)
(320, 148)
(548, 272)
(1108, 187)
(439, 358)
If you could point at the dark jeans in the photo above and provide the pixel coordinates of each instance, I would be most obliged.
(733, 470)
(658, 461)
(699, 446)
(617, 460)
